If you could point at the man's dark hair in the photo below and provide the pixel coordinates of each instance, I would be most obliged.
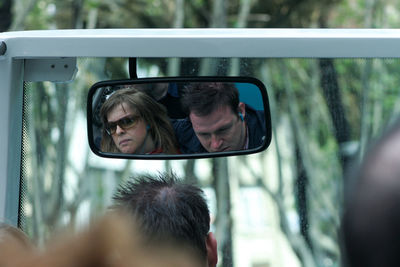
(203, 98)
(371, 220)
(167, 210)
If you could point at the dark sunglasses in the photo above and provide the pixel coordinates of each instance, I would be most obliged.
(124, 123)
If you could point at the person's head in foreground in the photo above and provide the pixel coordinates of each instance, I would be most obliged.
(14, 244)
(134, 123)
(109, 242)
(11, 233)
(371, 221)
(173, 220)
(217, 116)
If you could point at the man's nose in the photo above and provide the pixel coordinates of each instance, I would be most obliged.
(119, 130)
(216, 142)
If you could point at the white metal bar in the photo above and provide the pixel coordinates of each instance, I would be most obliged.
(11, 72)
(50, 69)
(204, 43)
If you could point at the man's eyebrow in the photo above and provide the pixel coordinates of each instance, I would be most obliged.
(203, 133)
(224, 127)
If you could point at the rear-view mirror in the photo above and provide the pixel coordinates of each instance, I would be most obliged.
(178, 117)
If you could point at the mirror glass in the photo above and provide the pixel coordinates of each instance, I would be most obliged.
(197, 117)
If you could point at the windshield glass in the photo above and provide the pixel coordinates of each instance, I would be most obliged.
(280, 207)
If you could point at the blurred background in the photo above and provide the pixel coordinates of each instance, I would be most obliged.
(77, 14)
(280, 207)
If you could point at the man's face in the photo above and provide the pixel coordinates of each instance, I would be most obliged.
(221, 130)
(129, 131)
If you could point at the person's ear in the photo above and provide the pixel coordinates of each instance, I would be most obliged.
(242, 109)
(212, 252)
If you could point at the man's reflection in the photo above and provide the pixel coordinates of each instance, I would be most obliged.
(217, 120)
(134, 123)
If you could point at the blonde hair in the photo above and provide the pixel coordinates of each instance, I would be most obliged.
(153, 113)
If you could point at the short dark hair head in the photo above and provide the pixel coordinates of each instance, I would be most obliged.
(203, 98)
(167, 210)
(371, 220)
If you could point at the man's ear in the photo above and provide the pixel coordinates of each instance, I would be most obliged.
(242, 109)
(212, 252)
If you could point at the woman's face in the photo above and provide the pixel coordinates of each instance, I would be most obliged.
(128, 131)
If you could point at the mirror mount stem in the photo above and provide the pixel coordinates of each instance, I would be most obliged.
(133, 68)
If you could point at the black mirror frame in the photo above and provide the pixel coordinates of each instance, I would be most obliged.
(258, 83)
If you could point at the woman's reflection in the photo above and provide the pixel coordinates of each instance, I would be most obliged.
(134, 123)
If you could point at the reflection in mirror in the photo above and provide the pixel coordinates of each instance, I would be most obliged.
(178, 117)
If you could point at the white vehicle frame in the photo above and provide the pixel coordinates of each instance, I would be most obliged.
(51, 56)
